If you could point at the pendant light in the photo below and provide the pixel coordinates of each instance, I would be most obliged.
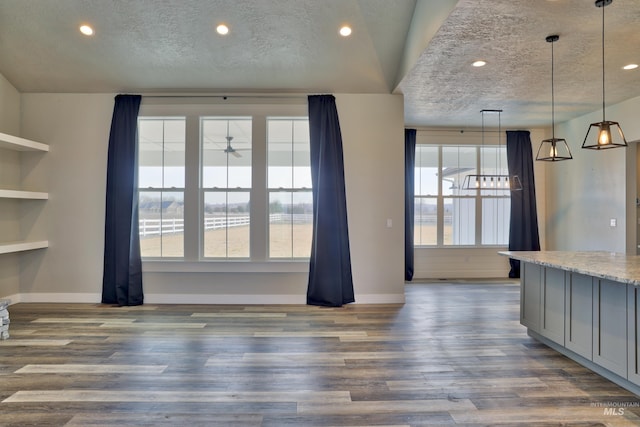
(492, 181)
(604, 135)
(554, 149)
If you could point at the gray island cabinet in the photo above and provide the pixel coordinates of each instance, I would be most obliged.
(585, 305)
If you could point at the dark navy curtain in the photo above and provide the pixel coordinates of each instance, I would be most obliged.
(122, 275)
(523, 228)
(330, 280)
(409, 199)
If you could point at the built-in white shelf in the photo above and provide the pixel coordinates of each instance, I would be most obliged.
(15, 143)
(17, 194)
(11, 142)
(12, 247)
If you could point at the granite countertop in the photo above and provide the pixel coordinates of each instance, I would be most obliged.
(605, 265)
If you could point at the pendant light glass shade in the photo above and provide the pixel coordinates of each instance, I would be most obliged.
(605, 134)
(553, 149)
(492, 182)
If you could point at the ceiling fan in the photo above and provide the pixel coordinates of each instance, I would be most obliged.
(230, 150)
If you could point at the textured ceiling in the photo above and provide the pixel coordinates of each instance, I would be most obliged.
(160, 45)
(421, 50)
(443, 89)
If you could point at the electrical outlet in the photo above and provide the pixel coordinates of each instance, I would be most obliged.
(613, 222)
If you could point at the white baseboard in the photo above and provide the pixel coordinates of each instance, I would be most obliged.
(54, 297)
(223, 299)
(93, 298)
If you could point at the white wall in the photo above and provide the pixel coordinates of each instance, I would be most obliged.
(10, 171)
(585, 193)
(77, 128)
(373, 143)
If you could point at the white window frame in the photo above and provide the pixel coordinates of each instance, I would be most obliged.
(478, 197)
(193, 109)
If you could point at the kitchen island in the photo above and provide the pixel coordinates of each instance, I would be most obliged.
(585, 305)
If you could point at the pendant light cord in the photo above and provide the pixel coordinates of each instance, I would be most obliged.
(553, 111)
(603, 115)
(482, 151)
(498, 150)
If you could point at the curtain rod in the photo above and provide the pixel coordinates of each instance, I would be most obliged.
(224, 96)
(461, 131)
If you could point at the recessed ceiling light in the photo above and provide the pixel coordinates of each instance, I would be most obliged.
(479, 63)
(86, 30)
(345, 31)
(222, 29)
(630, 67)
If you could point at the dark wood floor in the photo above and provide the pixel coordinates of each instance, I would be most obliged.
(454, 354)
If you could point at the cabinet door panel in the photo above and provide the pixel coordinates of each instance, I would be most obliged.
(530, 295)
(553, 294)
(610, 326)
(579, 315)
(633, 318)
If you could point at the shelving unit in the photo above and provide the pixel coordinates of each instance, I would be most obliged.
(14, 143)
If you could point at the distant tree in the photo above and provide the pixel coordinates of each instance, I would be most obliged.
(275, 207)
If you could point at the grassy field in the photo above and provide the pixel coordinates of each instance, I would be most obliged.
(280, 242)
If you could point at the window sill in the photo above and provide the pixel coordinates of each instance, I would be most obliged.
(181, 266)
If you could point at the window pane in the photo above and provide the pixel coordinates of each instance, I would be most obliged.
(161, 223)
(496, 213)
(425, 221)
(288, 168)
(226, 152)
(161, 146)
(494, 160)
(290, 224)
(288, 153)
(459, 221)
(426, 171)
(457, 163)
(226, 224)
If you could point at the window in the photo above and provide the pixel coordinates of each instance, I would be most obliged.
(289, 182)
(222, 187)
(226, 187)
(161, 175)
(448, 215)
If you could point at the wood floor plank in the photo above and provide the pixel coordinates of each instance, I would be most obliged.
(68, 368)
(300, 396)
(33, 342)
(169, 420)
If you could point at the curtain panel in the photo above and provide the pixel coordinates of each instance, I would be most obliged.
(523, 227)
(122, 274)
(330, 279)
(409, 200)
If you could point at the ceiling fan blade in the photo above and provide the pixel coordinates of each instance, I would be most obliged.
(235, 153)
